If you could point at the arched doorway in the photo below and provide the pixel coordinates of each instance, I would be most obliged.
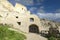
(33, 28)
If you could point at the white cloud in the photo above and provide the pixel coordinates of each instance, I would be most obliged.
(41, 10)
(33, 9)
(50, 16)
(29, 2)
(57, 11)
(38, 10)
(25, 2)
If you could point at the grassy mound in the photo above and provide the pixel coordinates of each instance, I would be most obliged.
(6, 34)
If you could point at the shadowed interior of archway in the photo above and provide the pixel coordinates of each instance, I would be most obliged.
(33, 28)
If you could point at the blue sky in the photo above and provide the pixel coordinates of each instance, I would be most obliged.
(48, 9)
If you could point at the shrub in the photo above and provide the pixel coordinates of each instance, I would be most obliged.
(51, 38)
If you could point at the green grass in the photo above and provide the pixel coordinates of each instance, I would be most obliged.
(6, 34)
(52, 38)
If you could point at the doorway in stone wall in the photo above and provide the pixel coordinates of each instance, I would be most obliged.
(33, 28)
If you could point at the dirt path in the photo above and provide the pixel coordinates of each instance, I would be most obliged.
(32, 36)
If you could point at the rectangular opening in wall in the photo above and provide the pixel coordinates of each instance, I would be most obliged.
(19, 23)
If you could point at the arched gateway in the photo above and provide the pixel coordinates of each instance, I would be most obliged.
(33, 28)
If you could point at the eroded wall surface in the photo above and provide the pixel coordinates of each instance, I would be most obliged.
(17, 16)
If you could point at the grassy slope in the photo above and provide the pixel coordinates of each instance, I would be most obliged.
(6, 34)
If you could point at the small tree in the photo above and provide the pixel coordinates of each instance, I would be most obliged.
(53, 32)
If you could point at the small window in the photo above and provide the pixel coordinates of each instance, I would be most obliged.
(19, 23)
(16, 16)
(31, 19)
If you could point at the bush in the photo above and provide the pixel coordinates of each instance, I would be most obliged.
(51, 38)
(58, 38)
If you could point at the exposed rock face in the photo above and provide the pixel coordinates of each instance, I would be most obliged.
(48, 23)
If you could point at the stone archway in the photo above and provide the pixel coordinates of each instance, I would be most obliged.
(33, 28)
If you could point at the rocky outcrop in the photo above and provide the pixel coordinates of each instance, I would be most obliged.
(48, 23)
